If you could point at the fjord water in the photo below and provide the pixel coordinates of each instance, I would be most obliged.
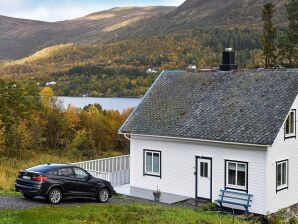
(107, 103)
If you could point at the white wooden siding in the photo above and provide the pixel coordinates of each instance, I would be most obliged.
(178, 167)
(280, 150)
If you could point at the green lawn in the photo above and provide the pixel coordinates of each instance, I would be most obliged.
(113, 213)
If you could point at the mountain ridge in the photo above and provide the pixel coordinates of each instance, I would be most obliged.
(20, 38)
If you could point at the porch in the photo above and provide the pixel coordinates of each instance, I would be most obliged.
(116, 170)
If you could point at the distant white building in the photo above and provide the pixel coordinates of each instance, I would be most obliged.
(192, 68)
(51, 83)
(151, 71)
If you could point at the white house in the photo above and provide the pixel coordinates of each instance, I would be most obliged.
(195, 133)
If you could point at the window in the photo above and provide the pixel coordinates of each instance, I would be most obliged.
(290, 125)
(80, 174)
(281, 175)
(66, 172)
(203, 169)
(53, 172)
(152, 161)
(236, 175)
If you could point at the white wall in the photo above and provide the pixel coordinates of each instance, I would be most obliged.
(178, 167)
(280, 150)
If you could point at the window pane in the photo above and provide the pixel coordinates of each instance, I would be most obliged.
(81, 174)
(278, 174)
(148, 161)
(206, 170)
(241, 174)
(284, 173)
(292, 123)
(156, 162)
(288, 125)
(232, 173)
(203, 169)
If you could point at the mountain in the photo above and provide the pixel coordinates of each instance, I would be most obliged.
(21, 37)
(194, 14)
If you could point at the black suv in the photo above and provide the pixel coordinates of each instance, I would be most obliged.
(55, 181)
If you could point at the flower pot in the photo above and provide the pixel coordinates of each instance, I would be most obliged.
(156, 195)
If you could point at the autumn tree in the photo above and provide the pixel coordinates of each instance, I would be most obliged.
(2, 138)
(46, 97)
(269, 34)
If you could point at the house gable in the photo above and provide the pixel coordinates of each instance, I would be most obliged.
(283, 149)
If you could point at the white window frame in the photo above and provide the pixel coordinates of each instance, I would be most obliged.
(151, 173)
(285, 185)
(237, 187)
(293, 123)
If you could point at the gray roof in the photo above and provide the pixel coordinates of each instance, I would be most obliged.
(246, 106)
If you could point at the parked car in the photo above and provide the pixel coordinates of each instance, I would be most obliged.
(56, 181)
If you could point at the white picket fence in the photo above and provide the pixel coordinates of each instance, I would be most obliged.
(113, 169)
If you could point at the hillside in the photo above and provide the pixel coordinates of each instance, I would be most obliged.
(119, 68)
(195, 14)
(20, 37)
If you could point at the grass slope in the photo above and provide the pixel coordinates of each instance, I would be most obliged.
(113, 214)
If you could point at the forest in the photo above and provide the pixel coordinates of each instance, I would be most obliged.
(32, 121)
(119, 69)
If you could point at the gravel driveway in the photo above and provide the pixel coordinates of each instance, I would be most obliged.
(19, 202)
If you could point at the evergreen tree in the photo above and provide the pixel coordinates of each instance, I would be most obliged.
(292, 13)
(269, 34)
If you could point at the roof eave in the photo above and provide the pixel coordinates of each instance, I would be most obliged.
(199, 140)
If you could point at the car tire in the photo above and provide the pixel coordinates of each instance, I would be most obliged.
(28, 196)
(103, 195)
(55, 196)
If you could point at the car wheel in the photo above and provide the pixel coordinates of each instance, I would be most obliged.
(103, 195)
(29, 196)
(55, 196)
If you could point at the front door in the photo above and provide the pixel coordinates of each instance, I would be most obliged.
(203, 177)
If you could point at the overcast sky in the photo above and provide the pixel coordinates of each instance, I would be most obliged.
(57, 10)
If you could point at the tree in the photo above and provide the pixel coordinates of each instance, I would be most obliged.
(286, 49)
(46, 96)
(2, 137)
(292, 13)
(292, 35)
(269, 34)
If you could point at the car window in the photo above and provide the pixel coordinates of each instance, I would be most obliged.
(81, 174)
(53, 172)
(66, 172)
